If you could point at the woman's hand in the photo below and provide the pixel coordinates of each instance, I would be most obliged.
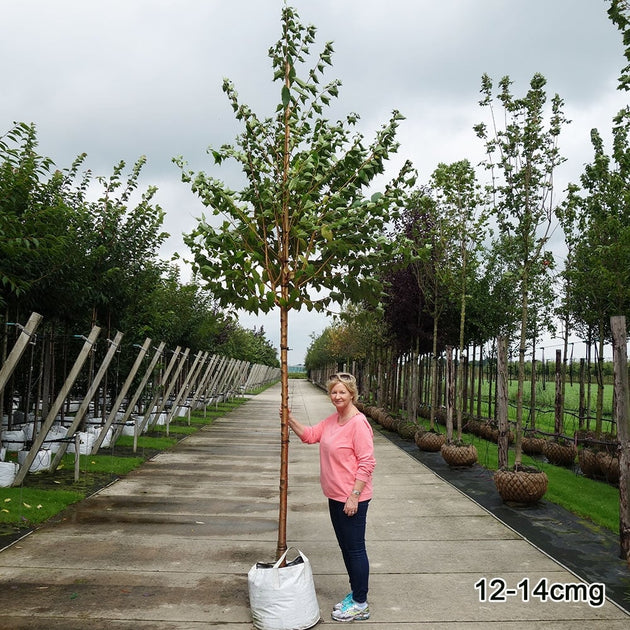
(352, 505)
(297, 427)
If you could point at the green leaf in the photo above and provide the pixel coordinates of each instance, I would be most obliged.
(286, 96)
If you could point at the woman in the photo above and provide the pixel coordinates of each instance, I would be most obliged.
(346, 456)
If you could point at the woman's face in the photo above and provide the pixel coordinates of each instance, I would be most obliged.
(340, 396)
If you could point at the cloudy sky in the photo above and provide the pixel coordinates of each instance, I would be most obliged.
(118, 79)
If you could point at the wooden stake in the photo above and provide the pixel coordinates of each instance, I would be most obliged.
(622, 416)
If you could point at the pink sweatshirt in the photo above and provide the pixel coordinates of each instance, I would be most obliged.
(346, 453)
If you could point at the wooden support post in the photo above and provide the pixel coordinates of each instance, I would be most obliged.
(85, 403)
(140, 426)
(77, 456)
(169, 389)
(183, 390)
(134, 399)
(194, 381)
(200, 390)
(450, 393)
(56, 406)
(18, 349)
(622, 416)
(502, 402)
(213, 385)
(218, 379)
(558, 406)
(121, 396)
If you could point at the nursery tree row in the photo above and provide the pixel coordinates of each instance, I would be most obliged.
(82, 250)
(487, 243)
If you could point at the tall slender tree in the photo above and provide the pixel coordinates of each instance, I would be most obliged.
(522, 155)
(461, 202)
(301, 231)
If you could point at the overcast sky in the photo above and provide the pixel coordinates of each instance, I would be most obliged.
(118, 79)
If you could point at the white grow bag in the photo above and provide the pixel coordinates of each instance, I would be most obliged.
(129, 428)
(86, 442)
(107, 440)
(13, 441)
(283, 598)
(57, 432)
(8, 470)
(41, 461)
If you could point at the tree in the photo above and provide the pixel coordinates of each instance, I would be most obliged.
(619, 14)
(418, 300)
(522, 156)
(459, 201)
(596, 221)
(36, 226)
(301, 232)
(119, 240)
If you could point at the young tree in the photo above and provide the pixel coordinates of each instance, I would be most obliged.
(417, 307)
(301, 232)
(522, 156)
(596, 221)
(461, 204)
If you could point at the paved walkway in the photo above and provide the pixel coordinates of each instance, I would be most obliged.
(169, 546)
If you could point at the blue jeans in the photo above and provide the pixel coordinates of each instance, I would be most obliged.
(350, 532)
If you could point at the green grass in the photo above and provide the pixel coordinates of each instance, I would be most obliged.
(102, 464)
(545, 405)
(593, 500)
(148, 442)
(27, 506)
(45, 493)
(588, 498)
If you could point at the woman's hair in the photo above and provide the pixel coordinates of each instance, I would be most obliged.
(345, 379)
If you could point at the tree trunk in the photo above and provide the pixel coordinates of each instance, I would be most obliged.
(284, 434)
(582, 410)
(502, 402)
(518, 446)
(599, 411)
(558, 411)
(284, 325)
(622, 415)
(480, 382)
(434, 377)
(450, 393)
(471, 402)
(532, 403)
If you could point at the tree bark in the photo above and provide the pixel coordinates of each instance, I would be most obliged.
(502, 402)
(622, 415)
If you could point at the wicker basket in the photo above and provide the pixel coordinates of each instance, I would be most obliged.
(560, 454)
(609, 466)
(418, 434)
(459, 455)
(431, 441)
(533, 446)
(473, 426)
(522, 486)
(589, 463)
(388, 422)
(407, 430)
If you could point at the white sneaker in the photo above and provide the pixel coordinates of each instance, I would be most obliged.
(344, 602)
(351, 612)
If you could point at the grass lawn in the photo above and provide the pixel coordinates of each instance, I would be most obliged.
(594, 500)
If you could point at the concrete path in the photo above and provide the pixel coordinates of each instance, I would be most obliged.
(169, 546)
